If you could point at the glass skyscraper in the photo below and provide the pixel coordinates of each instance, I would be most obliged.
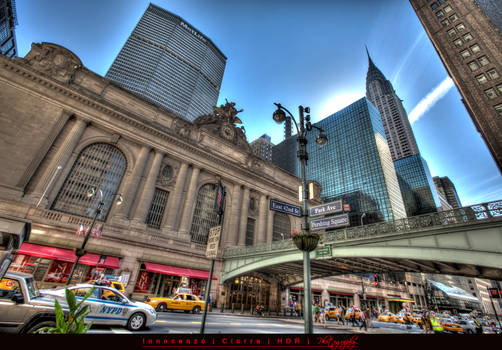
(170, 63)
(355, 164)
(417, 186)
(8, 20)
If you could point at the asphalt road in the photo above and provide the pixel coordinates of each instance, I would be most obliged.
(182, 323)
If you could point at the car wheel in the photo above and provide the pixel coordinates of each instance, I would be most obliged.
(196, 310)
(161, 307)
(41, 325)
(136, 322)
(327, 318)
(469, 331)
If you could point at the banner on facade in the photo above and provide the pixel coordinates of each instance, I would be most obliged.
(213, 242)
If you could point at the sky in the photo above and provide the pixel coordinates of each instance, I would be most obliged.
(296, 52)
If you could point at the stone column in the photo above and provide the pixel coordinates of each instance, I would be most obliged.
(357, 301)
(232, 234)
(270, 225)
(131, 187)
(262, 219)
(175, 199)
(186, 218)
(243, 218)
(145, 197)
(61, 157)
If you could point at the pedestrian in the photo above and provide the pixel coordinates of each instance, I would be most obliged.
(478, 326)
(368, 317)
(437, 327)
(362, 318)
(322, 316)
(343, 312)
(353, 316)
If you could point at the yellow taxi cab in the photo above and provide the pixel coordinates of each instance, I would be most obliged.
(6, 284)
(451, 326)
(385, 317)
(179, 301)
(348, 312)
(402, 317)
(330, 313)
(114, 284)
(417, 319)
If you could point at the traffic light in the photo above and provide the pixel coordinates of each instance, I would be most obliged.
(376, 280)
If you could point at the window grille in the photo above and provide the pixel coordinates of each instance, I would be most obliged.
(205, 215)
(250, 232)
(99, 165)
(157, 208)
(282, 227)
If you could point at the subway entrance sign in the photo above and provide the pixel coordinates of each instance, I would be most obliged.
(331, 222)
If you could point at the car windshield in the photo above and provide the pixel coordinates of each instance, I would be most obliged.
(32, 288)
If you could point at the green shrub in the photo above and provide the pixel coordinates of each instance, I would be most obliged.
(73, 322)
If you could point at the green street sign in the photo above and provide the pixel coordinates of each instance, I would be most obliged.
(323, 252)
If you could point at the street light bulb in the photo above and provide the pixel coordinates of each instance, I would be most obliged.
(91, 192)
(279, 116)
(321, 139)
(120, 200)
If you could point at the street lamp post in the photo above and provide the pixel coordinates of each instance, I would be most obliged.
(80, 252)
(306, 242)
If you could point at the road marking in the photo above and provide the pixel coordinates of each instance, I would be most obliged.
(194, 322)
(161, 321)
(121, 331)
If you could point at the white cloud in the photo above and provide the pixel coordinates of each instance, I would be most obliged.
(430, 100)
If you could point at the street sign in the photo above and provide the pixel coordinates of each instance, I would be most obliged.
(212, 242)
(285, 208)
(331, 222)
(323, 252)
(327, 208)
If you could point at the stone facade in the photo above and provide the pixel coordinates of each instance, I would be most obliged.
(470, 47)
(53, 108)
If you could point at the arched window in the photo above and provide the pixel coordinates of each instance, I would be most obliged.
(204, 216)
(99, 165)
(282, 227)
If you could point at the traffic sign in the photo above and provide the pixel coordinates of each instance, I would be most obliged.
(323, 252)
(495, 293)
(331, 222)
(327, 208)
(213, 241)
(285, 208)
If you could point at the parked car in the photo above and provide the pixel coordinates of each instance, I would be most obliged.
(22, 308)
(179, 301)
(108, 306)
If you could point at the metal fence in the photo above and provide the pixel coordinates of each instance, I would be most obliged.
(491, 211)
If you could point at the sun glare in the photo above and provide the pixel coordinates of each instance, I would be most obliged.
(339, 102)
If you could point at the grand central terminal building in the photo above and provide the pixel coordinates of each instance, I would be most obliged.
(66, 130)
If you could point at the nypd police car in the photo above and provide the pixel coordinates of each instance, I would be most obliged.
(108, 306)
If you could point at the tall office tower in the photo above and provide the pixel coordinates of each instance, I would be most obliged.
(447, 189)
(8, 20)
(467, 34)
(262, 147)
(418, 190)
(394, 118)
(355, 164)
(287, 128)
(170, 63)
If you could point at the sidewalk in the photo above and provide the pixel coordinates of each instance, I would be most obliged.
(329, 325)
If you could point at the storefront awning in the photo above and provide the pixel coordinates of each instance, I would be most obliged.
(401, 300)
(453, 292)
(67, 255)
(177, 271)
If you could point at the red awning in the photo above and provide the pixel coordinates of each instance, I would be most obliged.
(177, 271)
(67, 255)
(341, 293)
